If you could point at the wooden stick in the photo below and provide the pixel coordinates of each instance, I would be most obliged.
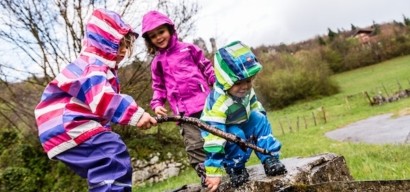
(228, 136)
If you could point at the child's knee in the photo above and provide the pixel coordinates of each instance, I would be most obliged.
(235, 130)
(257, 115)
(258, 119)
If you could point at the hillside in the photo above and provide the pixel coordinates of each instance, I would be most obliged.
(324, 77)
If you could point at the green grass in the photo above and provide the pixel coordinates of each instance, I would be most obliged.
(365, 161)
(186, 177)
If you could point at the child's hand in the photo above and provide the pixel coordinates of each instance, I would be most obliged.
(212, 183)
(161, 111)
(146, 121)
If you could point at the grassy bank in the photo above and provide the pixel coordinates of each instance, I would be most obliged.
(366, 162)
(301, 127)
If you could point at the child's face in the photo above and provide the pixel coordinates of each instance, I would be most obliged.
(241, 88)
(122, 51)
(159, 36)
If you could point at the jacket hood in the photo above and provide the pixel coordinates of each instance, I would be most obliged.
(154, 19)
(104, 31)
(235, 62)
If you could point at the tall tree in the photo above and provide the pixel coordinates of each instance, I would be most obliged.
(406, 20)
(48, 33)
(353, 27)
(44, 35)
(331, 34)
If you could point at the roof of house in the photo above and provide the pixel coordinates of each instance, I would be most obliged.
(363, 30)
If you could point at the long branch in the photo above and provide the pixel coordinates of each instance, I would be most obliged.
(228, 136)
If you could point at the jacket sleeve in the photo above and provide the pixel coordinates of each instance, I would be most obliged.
(158, 85)
(95, 91)
(204, 64)
(214, 146)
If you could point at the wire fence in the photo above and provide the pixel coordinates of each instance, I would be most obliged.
(322, 114)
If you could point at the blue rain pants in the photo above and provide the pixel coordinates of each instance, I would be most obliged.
(258, 127)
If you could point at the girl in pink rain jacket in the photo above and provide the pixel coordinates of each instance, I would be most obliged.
(181, 75)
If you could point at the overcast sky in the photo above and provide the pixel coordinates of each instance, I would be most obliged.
(271, 22)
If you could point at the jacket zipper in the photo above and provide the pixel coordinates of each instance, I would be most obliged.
(202, 87)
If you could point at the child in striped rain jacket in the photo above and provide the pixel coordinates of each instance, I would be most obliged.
(233, 107)
(77, 107)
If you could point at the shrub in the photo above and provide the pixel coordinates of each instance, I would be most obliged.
(333, 58)
(62, 179)
(25, 155)
(7, 138)
(303, 76)
(17, 179)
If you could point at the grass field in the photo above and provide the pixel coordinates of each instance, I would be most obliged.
(365, 161)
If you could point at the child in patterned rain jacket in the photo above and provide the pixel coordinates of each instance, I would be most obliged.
(77, 107)
(233, 107)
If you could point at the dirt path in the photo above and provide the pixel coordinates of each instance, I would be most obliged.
(382, 129)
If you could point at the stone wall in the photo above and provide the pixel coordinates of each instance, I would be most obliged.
(380, 99)
(157, 168)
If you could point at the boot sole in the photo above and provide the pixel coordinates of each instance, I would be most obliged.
(281, 172)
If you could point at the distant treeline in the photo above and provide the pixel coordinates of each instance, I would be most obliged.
(302, 70)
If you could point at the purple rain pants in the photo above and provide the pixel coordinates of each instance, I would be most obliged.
(103, 160)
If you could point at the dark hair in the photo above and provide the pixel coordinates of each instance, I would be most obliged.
(151, 48)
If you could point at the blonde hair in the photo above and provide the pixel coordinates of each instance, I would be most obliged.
(128, 40)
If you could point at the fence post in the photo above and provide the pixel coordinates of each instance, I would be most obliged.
(304, 118)
(347, 103)
(324, 114)
(297, 123)
(368, 97)
(314, 118)
(281, 127)
(290, 126)
(398, 83)
(385, 90)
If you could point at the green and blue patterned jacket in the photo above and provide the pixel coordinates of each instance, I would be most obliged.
(233, 63)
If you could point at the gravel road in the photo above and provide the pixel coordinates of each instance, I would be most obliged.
(382, 129)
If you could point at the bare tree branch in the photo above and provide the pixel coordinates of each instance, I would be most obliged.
(42, 36)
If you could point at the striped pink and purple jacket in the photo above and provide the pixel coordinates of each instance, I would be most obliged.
(85, 97)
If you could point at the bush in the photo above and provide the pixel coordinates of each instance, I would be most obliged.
(62, 179)
(164, 138)
(7, 138)
(304, 76)
(333, 59)
(25, 157)
(25, 166)
(17, 179)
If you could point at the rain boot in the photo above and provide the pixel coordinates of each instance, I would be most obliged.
(238, 176)
(273, 167)
(200, 171)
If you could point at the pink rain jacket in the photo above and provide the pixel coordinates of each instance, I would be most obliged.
(180, 73)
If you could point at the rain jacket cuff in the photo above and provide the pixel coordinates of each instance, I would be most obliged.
(153, 106)
(214, 171)
(137, 116)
